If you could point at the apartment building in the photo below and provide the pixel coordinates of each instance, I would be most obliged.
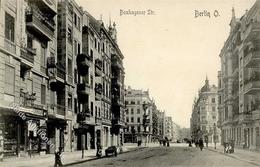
(161, 123)
(169, 128)
(58, 65)
(138, 116)
(239, 81)
(28, 38)
(204, 115)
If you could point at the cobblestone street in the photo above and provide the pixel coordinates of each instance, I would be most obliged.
(178, 155)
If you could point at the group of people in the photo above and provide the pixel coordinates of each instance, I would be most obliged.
(164, 142)
(199, 143)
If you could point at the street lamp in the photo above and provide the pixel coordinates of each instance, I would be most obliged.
(214, 131)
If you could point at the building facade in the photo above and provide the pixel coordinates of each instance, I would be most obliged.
(138, 116)
(62, 79)
(169, 128)
(239, 81)
(205, 115)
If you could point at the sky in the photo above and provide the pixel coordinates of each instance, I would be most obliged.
(171, 51)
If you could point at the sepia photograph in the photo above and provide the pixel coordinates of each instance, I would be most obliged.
(130, 83)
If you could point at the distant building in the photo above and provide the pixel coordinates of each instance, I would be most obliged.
(204, 115)
(161, 122)
(139, 115)
(169, 128)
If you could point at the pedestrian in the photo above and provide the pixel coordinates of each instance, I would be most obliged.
(30, 147)
(196, 143)
(58, 157)
(201, 145)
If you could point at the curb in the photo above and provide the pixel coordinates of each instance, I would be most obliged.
(235, 157)
(96, 158)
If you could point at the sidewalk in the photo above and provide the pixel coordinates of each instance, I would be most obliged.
(251, 157)
(68, 158)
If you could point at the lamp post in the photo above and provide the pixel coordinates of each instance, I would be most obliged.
(214, 137)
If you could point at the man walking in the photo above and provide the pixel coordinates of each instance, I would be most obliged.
(201, 145)
(58, 157)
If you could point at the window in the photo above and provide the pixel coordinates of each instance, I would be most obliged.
(29, 42)
(43, 94)
(213, 100)
(9, 27)
(79, 48)
(69, 34)
(43, 56)
(213, 109)
(132, 119)
(75, 48)
(138, 120)
(75, 20)
(138, 102)
(91, 108)
(126, 111)
(138, 111)
(132, 111)
(75, 105)
(95, 43)
(127, 119)
(69, 67)
(78, 23)
(138, 128)
(9, 79)
(126, 102)
(132, 102)
(75, 76)
(70, 102)
(91, 53)
(214, 117)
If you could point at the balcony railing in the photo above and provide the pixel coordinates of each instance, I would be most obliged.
(117, 63)
(252, 59)
(28, 54)
(252, 84)
(9, 46)
(43, 25)
(245, 117)
(251, 31)
(84, 88)
(61, 73)
(61, 109)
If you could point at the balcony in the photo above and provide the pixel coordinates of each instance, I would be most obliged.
(83, 62)
(204, 121)
(81, 116)
(252, 31)
(61, 71)
(116, 81)
(245, 118)
(40, 24)
(98, 67)
(9, 46)
(48, 6)
(98, 91)
(251, 86)
(116, 63)
(52, 73)
(252, 59)
(28, 54)
(84, 89)
(116, 101)
(61, 109)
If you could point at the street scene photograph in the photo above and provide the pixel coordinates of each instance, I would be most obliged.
(137, 83)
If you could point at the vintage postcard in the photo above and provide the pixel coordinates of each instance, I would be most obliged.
(137, 83)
